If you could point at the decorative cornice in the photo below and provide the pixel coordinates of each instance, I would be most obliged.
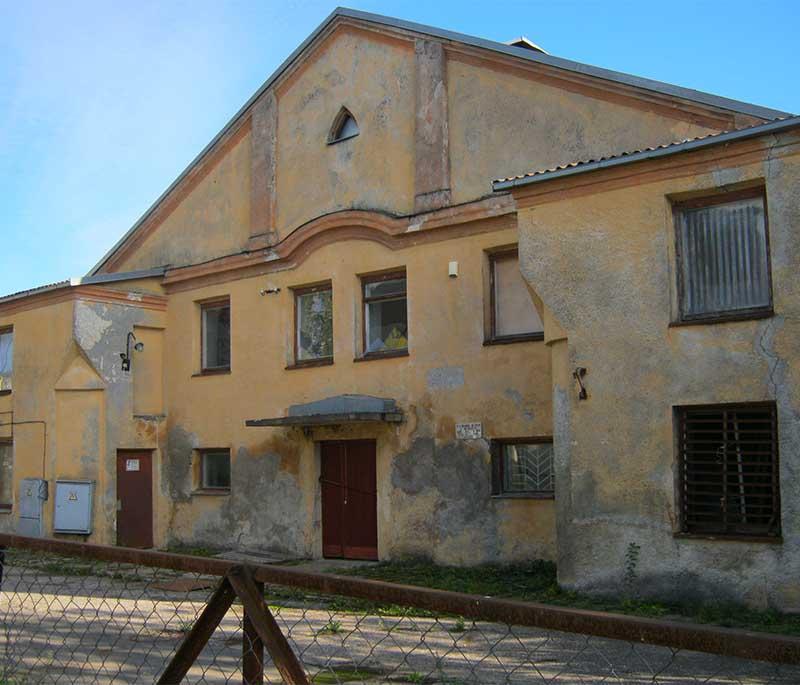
(86, 293)
(393, 232)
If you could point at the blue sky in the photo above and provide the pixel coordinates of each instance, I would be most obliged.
(103, 104)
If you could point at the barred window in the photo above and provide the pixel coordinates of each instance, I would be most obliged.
(728, 469)
(723, 255)
(523, 466)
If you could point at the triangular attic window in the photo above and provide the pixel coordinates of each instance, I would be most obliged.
(344, 127)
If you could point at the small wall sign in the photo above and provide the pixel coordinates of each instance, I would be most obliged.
(131, 464)
(469, 431)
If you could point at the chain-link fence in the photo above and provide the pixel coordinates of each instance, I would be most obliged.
(76, 613)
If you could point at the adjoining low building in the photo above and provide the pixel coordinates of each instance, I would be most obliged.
(319, 341)
(669, 278)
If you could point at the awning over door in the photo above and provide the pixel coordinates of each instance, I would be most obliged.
(336, 410)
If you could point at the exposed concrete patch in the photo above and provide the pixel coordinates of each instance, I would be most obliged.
(177, 465)
(91, 324)
(516, 397)
(266, 510)
(446, 378)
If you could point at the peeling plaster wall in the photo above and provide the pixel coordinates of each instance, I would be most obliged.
(100, 331)
(374, 78)
(433, 490)
(603, 263)
(42, 347)
(502, 124)
(212, 219)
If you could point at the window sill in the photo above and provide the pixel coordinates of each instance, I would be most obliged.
(724, 318)
(211, 492)
(525, 495)
(212, 372)
(509, 339)
(5, 508)
(3, 393)
(381, 355)
(768, 539)
(310, 363)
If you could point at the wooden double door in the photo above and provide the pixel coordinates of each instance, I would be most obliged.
(349, 499)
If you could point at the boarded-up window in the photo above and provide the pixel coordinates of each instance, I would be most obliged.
(523, 467)
(6, 358)
(6, 474)
(728, 469)
(513, 313)
(723, 257)
(216, 324)
(314, 324)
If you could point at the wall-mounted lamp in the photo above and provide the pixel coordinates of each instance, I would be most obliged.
(452, 269)
(126, 355)
(269, 290)
(578, 375)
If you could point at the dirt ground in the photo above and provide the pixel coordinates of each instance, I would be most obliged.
(63, 622)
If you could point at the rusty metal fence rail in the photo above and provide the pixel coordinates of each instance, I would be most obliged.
(77, 613)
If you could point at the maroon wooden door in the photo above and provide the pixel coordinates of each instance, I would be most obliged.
(135, 499)
(349, 500)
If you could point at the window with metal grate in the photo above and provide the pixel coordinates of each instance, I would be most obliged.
(728, 469)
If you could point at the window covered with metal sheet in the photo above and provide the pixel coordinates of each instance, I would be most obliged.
(723, 257)
(728, 459)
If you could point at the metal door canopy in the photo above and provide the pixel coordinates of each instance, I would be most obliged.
(73, 510)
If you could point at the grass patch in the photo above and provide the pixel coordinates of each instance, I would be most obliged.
(334, 676)
(536, 582)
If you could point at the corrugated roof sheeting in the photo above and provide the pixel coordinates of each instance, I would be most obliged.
(583, 166)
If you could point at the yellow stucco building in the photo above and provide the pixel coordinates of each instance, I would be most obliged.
(333, 336)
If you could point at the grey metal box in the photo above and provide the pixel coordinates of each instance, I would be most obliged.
(73, 512)
(32, 496)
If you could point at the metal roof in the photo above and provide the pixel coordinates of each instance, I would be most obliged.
(442, 34)
(585, 166)
(85, 280)
(336, 410)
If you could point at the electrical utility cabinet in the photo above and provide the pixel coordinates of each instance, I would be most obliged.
(73, 511)
(32, 496)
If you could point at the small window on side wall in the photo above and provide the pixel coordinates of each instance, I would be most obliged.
(723, 257)
(216, 336)
(523, 467)
(385, 314)
(313, 324)
(6, 359)
(215, 469)
(513, 314)
(728, 470)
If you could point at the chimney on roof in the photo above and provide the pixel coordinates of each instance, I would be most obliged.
(523, 42)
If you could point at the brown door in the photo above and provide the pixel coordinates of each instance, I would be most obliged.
(349, 500)
(134, 499)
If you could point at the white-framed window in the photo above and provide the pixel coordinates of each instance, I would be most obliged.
(6, 358)
(216, 335)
